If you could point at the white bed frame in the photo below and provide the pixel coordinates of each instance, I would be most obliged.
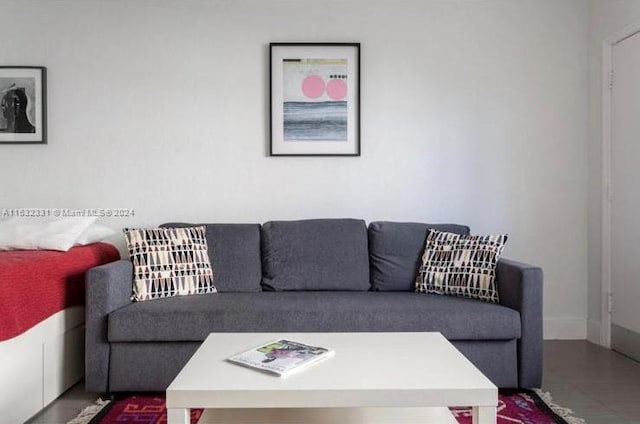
(40, 364)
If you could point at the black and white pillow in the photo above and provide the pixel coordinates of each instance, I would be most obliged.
(460, 265)
(169, 262)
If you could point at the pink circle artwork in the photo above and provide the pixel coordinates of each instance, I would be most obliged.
(337, 89)
(313, 86)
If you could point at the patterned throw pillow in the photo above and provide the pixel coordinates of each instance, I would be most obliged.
(169, 262)
(460, 265)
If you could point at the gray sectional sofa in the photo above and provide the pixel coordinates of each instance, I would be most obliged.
(308, 276)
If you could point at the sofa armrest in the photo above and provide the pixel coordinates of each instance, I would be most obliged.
(520, 288)
(108, 287)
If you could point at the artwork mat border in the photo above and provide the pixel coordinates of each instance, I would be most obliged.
(40, 74)
(277, 146)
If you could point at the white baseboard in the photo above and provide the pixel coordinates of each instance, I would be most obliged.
(565, 328)
(594, 331)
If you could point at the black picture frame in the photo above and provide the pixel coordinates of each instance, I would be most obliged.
(318, 86)
(20, 123)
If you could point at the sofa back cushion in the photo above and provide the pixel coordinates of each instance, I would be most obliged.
(234, 253)
(318, 254)
(395, 250)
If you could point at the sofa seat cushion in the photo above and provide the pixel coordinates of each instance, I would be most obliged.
(192, 318)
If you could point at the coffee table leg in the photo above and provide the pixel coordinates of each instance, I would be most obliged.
(484, 415)
(178, 416)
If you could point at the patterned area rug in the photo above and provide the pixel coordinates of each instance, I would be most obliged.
(514, 407)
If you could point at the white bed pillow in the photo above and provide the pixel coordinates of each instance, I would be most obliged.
(93, 234)
(42, 233)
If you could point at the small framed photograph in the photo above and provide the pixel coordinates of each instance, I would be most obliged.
(315, 99)
(23, 108)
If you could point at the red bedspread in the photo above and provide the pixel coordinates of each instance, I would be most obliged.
(35, 284)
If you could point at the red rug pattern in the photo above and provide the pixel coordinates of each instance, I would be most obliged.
(514, 407)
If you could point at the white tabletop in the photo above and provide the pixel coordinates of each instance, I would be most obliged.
(368, 370)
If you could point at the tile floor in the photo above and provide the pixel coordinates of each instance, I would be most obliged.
(600, 385)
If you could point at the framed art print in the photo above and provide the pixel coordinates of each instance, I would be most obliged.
(23, 108)
(315, 99)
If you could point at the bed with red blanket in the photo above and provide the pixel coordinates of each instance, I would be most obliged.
(42, 323)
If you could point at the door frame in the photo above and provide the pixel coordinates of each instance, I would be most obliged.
(606, 188)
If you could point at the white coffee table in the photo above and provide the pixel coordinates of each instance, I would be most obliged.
(373, 378)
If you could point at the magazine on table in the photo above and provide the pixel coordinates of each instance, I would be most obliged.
(282, 357)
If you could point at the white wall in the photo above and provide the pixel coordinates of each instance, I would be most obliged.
(607, 17)
(472, 112)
